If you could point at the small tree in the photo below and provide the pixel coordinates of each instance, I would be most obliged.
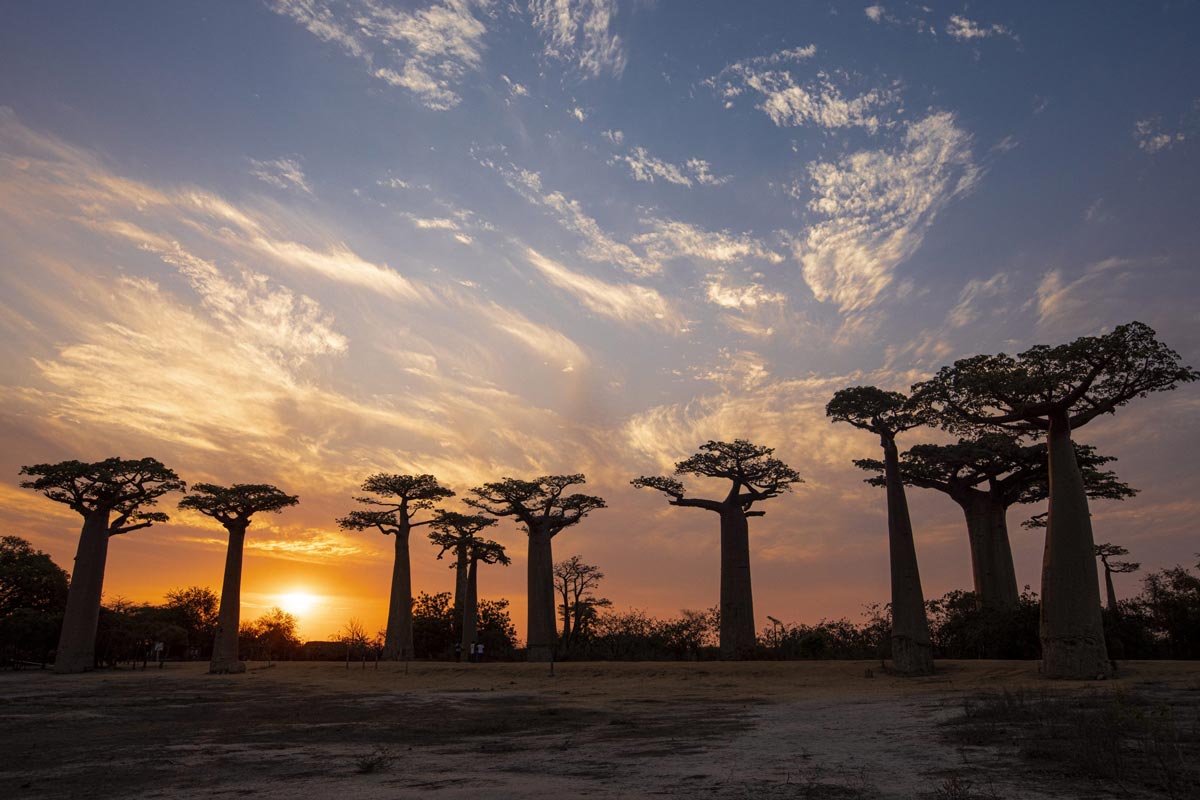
(458, 532)
(985, 476)
(1056, 390)
(575, 582)
(196, 610)
(272, 636)
(754, 476)
(233, 507)
(1104, 552)
(33, 594)
(112, 497)
(544, 510)
(887, 414)
(396, 498)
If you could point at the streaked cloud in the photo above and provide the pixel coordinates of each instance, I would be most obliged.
(645, 167)
(426, 51)
(964, 29)
(670, 239)
(580, 32)
(624, 302)
(874, 207)
(282, 173)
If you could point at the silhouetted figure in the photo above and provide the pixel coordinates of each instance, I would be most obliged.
(754, 475)
(111, 496)
(984, 476)
(397, 497)
(457, 532)
(233, 507)
(543, 510)
(1057, 390)
(888, 414)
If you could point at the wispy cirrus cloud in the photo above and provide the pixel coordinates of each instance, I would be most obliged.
(282, 173)
(874, 208)
(580, 32)
(427, 50)
(645, 167)
(964, 29)
(789, 101)
(626, 302)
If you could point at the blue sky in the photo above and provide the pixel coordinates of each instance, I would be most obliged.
(300, 241)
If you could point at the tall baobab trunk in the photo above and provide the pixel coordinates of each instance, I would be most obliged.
(991, 554)
(911, 652)
(460, 588)
(1108, 585)
(737, 599)
(398, 641)
(470, 605)
(77, 641)
(540, 576)
(225, 658)
(1072, 630)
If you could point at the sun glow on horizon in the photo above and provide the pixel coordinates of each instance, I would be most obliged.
(297, 603)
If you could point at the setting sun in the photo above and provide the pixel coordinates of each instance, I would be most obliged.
(297, 603)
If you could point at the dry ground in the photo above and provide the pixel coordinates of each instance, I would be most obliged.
(611, 730)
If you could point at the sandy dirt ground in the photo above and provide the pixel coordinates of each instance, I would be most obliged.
(611, 730)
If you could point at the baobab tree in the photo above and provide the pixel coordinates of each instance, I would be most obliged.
(541, 507)
(396, 499)
(112, 497)
(888, 414)
(985, 476)
(754, 476)
(458, 533)
(1104, 552)
(233, 506)
(575, 580)
(1056, 390)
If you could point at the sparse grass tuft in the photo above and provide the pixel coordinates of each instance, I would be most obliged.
(378, 760)
(1117, 737)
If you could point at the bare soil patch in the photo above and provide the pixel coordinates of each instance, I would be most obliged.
(611, 730)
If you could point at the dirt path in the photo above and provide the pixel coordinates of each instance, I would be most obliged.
(708, 730)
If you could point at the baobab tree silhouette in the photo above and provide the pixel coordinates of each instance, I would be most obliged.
(111, 496)
(397, 498)
(457, 532)
(754, 476)
(541, 507)
(985, 476)
(233, 506)
(887, 414)
(1056, 390)
(575, 580)
(1104, 552)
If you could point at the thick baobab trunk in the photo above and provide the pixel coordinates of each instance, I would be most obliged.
(911, 652)
(1072, 630)
(541, 630)
(77, 641)
(398, 641)
(737, 599)
(470, 605)
(1108, 586)
(991, 554)
(225, 658)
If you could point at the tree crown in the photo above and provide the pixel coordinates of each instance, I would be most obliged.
(539, 503)
(752, 470)
(873, 409)
(116, 485)
(1090, 376)
(1106, 551)
(453, 530)
(402, 495)
(236, 504)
